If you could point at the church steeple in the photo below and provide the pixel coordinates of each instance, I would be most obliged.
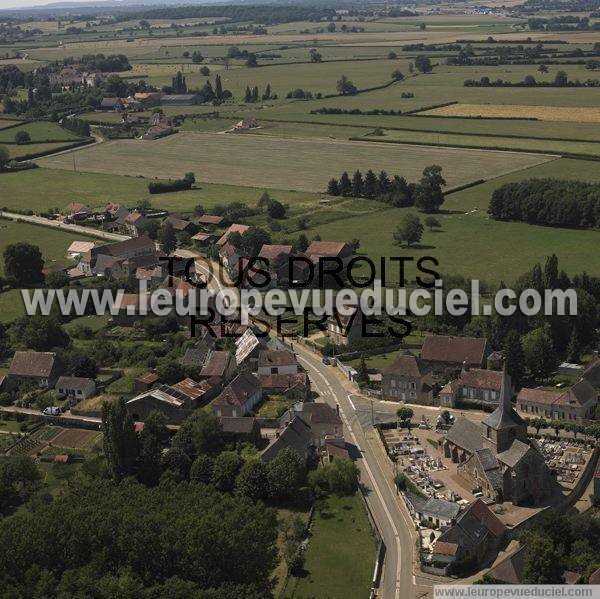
(503, 425)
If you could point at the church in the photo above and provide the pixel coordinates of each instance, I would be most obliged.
(497, 457)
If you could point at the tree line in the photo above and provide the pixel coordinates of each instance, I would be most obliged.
(99, 62)
(551, 202)
(560, 80)
(426, 195)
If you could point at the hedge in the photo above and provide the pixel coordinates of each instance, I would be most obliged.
(77, 144)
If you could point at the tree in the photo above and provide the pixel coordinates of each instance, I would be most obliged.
(143, 205)
(120, 440)
(339, 477)
(286, 473)
(530, 81)
(218, 88)
(255, 94)
(538, 423)
(22, 137)
(252, 481)
(248, 95)
(538, 350)
(345, 87)
(202, 469)
(409, 231)
(251, 61)
(574, 347)
(315, 56)
(4, 156)
(429, 195)
(370, 185)
(514, 358)
(333, 187)
(432, 222)
(57, 280)
(151, 442)
(170, 371)
(362, 372)
(345, 185)
(226, 467)
(267, 94)
(201, 433)
(23, 264)
(84, 366)
(397, 75)
(276, 209)
(331, 27)
(179, 84)
(542, 68)
(404, 414)
(423, 64)
(166, 238)
(357, 184)
(199, 210)
(543, 564)
(40, 333)
(252, 240)
(149, 227)
(561, 79)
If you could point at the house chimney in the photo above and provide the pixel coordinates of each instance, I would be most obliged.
(465, 366)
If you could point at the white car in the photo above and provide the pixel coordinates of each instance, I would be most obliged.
(51, 411)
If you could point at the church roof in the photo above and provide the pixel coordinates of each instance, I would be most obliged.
(514, 454)
(504, 416)
(465, 434)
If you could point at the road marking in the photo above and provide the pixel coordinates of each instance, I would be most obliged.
(351, 403)
(374, 484)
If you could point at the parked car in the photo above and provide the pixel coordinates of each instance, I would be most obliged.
(52, 411)
(326, 361)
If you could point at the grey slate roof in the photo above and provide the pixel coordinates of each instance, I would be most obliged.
(195, 356)
(491, 467)
(514, 454)
(504, 416)
(296, 434)
(465, 434)
(440, 508)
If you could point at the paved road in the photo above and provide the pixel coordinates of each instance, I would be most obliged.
(55, 224)
(392, 518)
(67, 416)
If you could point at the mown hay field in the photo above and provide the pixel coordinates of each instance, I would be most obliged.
(283, 163)
(579, 114)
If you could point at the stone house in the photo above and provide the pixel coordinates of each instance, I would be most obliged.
(239, 398)
(40, 367)
(76, 387)
(577, 403)
(446, 355)
(473, 384)
(407, 379)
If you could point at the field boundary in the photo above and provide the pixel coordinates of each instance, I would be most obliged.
(433, 131)
(575, 156)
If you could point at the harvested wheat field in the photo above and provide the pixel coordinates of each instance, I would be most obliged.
(542, 113)
(283, 163)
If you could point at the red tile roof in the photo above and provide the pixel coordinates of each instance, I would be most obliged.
(443, 548)
(454, 349)
(487, 518)
(326, 249)
(481, 379)
(406, 364)
(274, 357)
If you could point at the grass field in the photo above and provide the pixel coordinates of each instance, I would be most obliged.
(52, 243)
(96, 189)
(305, 165)
(543, 113)
(470, 243)
(341, 552)
(39, 131)
(20, 151)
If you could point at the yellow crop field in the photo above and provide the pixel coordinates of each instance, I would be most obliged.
(542, 113)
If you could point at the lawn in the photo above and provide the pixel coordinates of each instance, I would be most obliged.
(341, 552)
(283, 163)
